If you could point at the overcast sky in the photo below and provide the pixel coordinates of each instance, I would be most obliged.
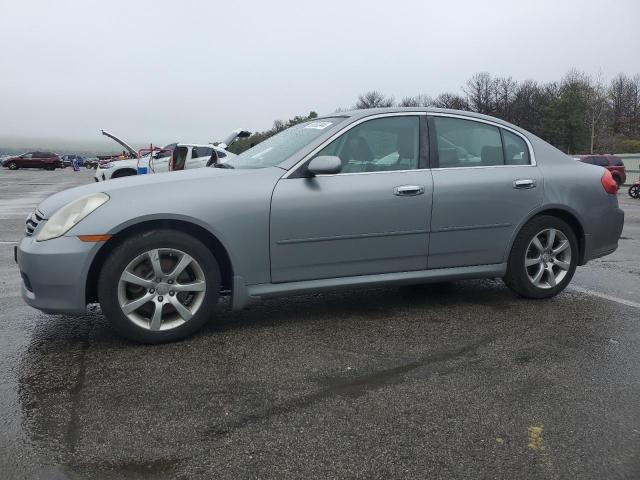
(163, 71)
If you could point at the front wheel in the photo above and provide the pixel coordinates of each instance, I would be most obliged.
(13, 166)
(159, 286)
(543, 258)
(634, 191)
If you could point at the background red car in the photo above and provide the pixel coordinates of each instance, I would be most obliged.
(610, 162)
(46, 160)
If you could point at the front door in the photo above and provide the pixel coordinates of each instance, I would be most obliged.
(27, 161)
(373, 217)
(485, 184)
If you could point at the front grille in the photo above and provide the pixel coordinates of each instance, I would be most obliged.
(32, 222)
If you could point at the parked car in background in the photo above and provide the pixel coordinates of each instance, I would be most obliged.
(610, 162)
(354, 199)
(185, 156)
(46, 160)
(67, 160)
(91, 162)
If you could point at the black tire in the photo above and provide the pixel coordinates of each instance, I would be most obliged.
(13, 166)
(618, 181)
(517, 278)
(50, 168)
(137, 245)
(634, 191)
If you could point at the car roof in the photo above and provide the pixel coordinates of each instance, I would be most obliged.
(194, 145)
(361, 113)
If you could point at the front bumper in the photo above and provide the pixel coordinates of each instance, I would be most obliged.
(102, 174)
(54, 273)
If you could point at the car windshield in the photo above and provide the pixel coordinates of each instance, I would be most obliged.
(278, 148)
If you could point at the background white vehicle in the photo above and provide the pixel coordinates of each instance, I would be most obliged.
(185, 155)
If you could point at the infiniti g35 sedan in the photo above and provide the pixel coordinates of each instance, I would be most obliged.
(355, 199)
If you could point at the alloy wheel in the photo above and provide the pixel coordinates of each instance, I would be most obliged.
(548, 258)
(161, 289)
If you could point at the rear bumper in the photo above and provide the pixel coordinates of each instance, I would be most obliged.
(54, 273)
(604, 239)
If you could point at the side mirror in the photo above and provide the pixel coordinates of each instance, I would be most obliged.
(325, 165)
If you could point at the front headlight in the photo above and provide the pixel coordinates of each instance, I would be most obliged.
(70, 215)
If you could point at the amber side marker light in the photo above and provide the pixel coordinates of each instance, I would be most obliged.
(94, 238)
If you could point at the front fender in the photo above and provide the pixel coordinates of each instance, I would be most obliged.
(233, 205)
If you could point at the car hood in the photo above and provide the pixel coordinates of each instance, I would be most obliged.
(131, 162)
(150, 186)
(124, 144)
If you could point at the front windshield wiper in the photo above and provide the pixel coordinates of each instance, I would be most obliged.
(223, 165)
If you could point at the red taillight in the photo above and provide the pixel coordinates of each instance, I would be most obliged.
(608, 183)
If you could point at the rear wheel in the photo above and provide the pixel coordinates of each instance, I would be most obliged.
(618, 181)
(159, 286)
(543, 258)
(634, 191)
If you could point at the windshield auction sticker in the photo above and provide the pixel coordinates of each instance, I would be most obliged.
(319, 125)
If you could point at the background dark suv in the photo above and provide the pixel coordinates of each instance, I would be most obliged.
(610, 162)
(46, 160)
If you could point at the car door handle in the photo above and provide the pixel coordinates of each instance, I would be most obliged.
(408, 190)
(524, 183)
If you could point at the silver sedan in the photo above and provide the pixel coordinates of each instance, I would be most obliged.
(355, 199)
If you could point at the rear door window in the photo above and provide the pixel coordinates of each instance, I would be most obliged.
(201, 152)
(466, 143)
(516, 151)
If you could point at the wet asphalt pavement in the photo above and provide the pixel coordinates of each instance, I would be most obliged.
(459, 380)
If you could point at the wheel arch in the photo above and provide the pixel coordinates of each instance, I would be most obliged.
(205, 236)
(563, 213)
(124, 172)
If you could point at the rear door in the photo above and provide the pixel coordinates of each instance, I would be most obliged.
(38, 160)
(371, 218)
(485, 183)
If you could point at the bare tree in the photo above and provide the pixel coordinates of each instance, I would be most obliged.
(624, 98)
(480, 93)
(504, 93)
(635, 111)
(278, 126)
(373, 99)
(451, 100)
(416, 101)
(596, 105)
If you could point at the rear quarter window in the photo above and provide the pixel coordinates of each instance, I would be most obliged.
(601, 161)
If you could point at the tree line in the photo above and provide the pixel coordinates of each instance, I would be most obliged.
(578, 114)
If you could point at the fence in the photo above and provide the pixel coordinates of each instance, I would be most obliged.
(632, 165)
